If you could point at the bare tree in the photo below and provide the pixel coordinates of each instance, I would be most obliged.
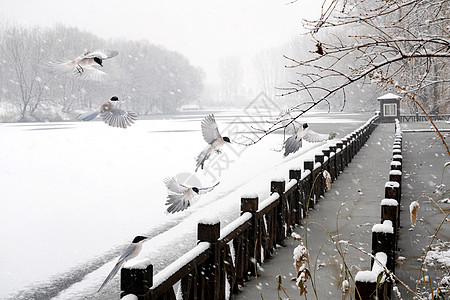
(230, 72)
(402, 45)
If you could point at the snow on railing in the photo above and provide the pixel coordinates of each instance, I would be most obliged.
(202, 272)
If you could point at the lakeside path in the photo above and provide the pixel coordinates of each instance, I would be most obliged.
(349, 210)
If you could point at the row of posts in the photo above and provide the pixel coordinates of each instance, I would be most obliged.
(382, 240)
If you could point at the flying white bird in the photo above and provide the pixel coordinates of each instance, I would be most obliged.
(180, 196)
(132, 251)
(212, 136)
(84, 65)
(111, 115)
(294, 142)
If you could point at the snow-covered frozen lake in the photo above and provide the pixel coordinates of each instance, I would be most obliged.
(74, 194)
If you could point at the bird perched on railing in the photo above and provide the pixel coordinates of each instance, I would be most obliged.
(84, 65)
(180, 196)
(111, 115)
(132, 251)
(212, 136)
(294, 142)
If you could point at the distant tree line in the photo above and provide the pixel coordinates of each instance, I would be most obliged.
(147, 77)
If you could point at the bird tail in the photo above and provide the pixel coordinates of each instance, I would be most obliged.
(201, 158)
(87, 116)
(110, 276)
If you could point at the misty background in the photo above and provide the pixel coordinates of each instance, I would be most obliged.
(172, 56)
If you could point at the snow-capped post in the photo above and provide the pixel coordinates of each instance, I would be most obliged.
(249, 203)
(278, 186)
(392, 190)
(209, 231)
(396, 165)
(396, 175)
(344, 154)
(334, 163)
(299, 200)
(396, 151)
(331, 165)
(320, 181)
(397, 157)
(383, 240)
(136, 281)
(349, 149)
(340, 156)
(309, 195)
(389, 211)
(354, 143)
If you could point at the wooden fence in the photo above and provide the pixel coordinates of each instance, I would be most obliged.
(385, 234)
(226, 258)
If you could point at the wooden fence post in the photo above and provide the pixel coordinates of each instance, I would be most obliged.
(341, 160)
(320, 181)
(299, 200)
(250, 204)
(389, 211)
(279, 187)
(383, 241)
(396, 165)
(309, 165)
(335, 167)
(212, 270)
(136, 281)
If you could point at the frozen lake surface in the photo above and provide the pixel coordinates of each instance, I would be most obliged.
(74, 194)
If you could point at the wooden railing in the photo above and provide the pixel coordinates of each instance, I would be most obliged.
(226, 258)
(385, 234)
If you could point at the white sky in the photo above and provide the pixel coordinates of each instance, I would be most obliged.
(202, 30)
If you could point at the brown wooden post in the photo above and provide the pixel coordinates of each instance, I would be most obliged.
(299, 200)
(384, 241)
(354, 144)
(335, 169)
(341, 156)
(136, 281)
(366, 291)
(250, 204)
(344, 153)
(279, 187)
(212, 270)
(330, 164)
(349, 149)
(396, 151)
(397, 157)
(309, 165)
(396, 175)
(320, 181)
(396, 165)
(389, 211)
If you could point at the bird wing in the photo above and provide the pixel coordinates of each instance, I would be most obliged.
(205, 190)
(60, 67)
(117, 117)
(122, 259)
(314, 137)
(292, 145)
(102, 54)
(174, 186)
(177, 203)
(210, 129)
(87, 116)
(91, 73)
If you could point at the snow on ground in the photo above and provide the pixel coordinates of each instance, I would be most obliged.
(73, 192)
